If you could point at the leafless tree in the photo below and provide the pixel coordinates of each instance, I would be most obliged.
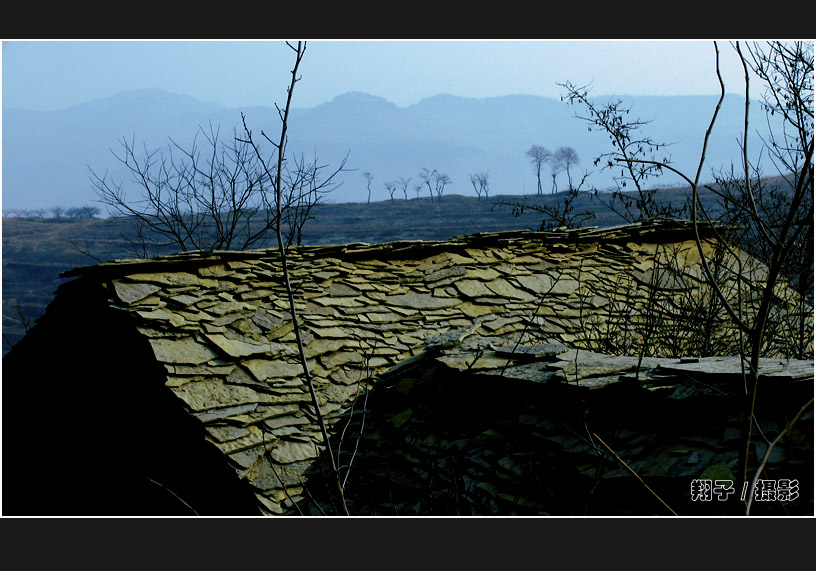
(403, 182)
(305, 188)
(369, 177)
(273, 173)
(428, 178)
(566, 157)
(418, 188)
(391, 187)
(480, 183)
(559, 211)
(780, 222)
(770, 217)
(441, 181)
(186, 200)
(82, 212)
(629, 150)
(212, 195)
(539, 156)
(555, 169)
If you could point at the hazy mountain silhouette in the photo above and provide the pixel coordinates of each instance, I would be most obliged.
(46, 155)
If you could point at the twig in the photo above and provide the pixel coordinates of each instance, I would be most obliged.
(275, 179)
(541, 299)
(175, 495)
(770, 448)
(635, 474)
(272, 465)
(362, 426)
(305, 489)
(21, 316)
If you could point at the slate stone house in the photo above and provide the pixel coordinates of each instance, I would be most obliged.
(493, 374)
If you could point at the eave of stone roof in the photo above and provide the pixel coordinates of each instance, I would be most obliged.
(654, 230)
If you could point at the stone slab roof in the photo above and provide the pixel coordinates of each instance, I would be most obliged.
(219, 324)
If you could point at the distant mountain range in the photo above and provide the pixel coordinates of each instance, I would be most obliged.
(46, 155)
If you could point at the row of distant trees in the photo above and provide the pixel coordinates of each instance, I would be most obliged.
(54, 212)
(167, 200)
(561, 160)
(432, 180)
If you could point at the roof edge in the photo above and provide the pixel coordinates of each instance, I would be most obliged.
(672, 229)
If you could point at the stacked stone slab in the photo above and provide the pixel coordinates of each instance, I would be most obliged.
(220, 325)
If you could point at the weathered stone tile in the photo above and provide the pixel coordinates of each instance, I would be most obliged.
(226, 433)
(173, 380)
(254, 293)
(286, 421)
(217, 271)
(130, 293)
(212, 368)
(174, 279)
(325, 275)
(228, 412)
(184, 300)
(160, 314)
(343, 302)
(237, 348)
(265, 411)
(340, 358)
(225, 307)
(185, 350)
(263, 369)
(263, 476)
(485, 274)
(473, 288)
(289, 452)
(445, 276)
(504, 289)
(253, 437)
(246, 326)
(240, 376)
(338, 289)
(209, 394)
(330, 333)
(383, 317)
(318, 347)
(346, 376)
(494, 324)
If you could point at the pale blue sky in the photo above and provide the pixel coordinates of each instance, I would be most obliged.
(49, 75)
